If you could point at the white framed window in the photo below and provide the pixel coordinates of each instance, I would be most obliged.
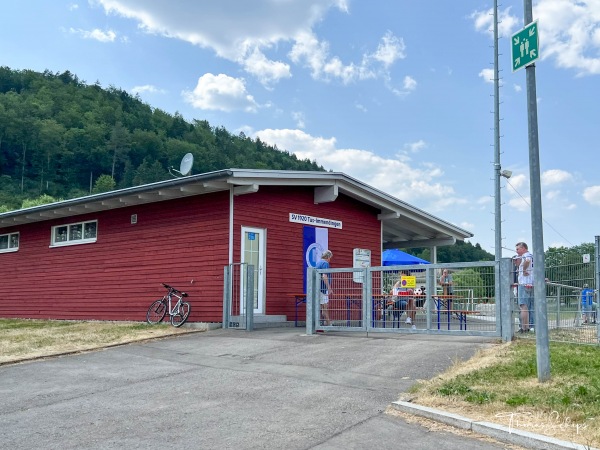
(9, 242)
(74, 233)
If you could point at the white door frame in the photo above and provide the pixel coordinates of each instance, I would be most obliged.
(257, 257)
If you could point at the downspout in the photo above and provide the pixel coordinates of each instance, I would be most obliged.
(231, 196)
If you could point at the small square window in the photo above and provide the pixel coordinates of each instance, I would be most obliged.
(9, 242)
(74, 233)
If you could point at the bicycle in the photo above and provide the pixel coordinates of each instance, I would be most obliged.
(178, 313)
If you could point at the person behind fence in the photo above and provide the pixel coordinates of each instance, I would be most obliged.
(326, 289)
(407, 300)
(525, 287)
(446, 282)
(588, 306)
(397, 303)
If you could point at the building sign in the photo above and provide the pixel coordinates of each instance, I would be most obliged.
(315, 221)
(361, 258)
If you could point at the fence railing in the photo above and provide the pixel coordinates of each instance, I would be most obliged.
(366, 302)
(419, 303)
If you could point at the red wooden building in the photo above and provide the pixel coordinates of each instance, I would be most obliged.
(104, 256)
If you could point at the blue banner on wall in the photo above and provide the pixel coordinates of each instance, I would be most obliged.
(314, 242)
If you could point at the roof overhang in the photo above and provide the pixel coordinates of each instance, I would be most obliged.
(403, 225)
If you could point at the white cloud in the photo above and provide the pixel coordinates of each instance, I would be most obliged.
(570, 34)
(410, 84)
(147, 88)
(390, 49)
(257, 27)
(517, 88)
(507, 23)
(299, 119)
(487, 75)
(220, 92)
(568, 30)
(520, 204)
(95, 34)
(592, 195)
(415, 147)
(401, 177)
(265, 70)
(555, 176)
(314, 54)
(519, 181)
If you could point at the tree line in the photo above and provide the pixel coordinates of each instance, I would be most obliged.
(59, 136)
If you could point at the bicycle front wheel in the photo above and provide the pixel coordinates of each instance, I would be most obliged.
(184, 312)
(156, 312)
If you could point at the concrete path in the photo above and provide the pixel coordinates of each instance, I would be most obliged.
(272, 388)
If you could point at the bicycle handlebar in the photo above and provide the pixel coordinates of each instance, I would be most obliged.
(171, 288)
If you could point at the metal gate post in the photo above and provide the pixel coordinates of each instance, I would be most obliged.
(430, 292)
(504, 309)
(249, 303)
(367, 295)
(226, 295)
(310, 295)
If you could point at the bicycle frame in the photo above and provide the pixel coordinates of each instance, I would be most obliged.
(173, 310)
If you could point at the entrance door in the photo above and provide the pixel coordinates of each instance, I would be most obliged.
(253, 252)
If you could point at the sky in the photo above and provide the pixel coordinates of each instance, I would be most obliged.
(397, 94)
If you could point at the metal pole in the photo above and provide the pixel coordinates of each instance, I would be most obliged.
(537, 230)
(227, 295)
(249, 303)
(498, 205)
(597, 287)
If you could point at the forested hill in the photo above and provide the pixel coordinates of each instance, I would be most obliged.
(59, 135)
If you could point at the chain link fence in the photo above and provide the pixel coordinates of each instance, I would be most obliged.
(571, 300)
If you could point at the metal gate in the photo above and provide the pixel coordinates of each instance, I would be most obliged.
(365, 300)
(238, 296)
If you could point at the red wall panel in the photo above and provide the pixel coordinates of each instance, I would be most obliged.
(183, 242)
(270, 207)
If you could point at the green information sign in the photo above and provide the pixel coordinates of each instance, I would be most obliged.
(525, 46)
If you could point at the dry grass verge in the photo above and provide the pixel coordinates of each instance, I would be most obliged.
(30, 339)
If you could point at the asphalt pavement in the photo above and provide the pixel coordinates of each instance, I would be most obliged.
(271, 388)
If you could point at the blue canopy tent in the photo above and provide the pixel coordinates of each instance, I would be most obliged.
(395, 257)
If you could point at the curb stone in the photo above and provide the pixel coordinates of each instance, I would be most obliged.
(498, 432)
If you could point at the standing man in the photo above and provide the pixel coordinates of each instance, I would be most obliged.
(588, 306)
(446, 282)
(525, 287)
(326, 290)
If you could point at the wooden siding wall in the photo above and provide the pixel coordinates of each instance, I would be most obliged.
(182, 242)
(269, 208)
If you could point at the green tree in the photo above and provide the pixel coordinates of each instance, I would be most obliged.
(104, 183)
(43, 199)
(149, 172)
(118, 145)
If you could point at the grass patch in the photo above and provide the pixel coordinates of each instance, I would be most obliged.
(26, 339)
(500, 385)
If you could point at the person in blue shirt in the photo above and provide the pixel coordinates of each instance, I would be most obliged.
(326, 289)
(588, 306)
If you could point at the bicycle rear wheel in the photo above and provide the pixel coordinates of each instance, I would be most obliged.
(184, 312)
(156, 312)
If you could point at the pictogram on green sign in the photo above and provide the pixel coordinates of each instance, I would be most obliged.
(525, 46)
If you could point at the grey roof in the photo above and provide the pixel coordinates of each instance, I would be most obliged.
(403, 225)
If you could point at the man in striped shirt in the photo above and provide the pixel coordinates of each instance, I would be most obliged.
(525, 288)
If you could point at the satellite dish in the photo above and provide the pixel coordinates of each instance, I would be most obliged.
(185, 167)
(186, 164)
